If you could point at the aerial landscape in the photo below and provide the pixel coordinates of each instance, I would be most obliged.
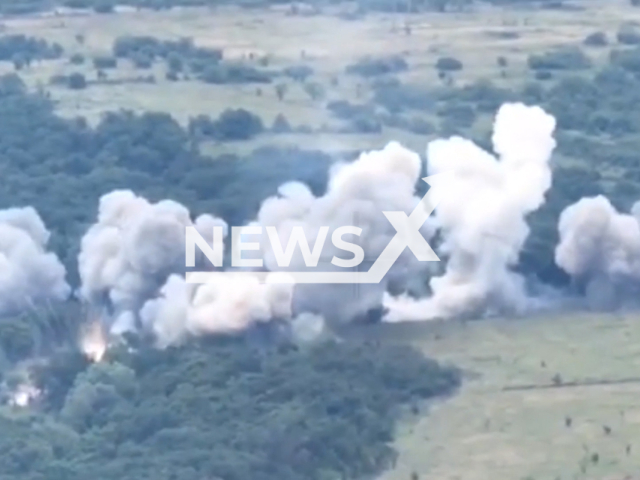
(123, 125)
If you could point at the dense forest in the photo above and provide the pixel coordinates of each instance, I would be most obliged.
(223, 409)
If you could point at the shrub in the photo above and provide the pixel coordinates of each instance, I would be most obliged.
(369, 67)
(543, 75)
(395, 99)
(142, 60)
(77, 59)
(628, 34)
(596, 39)
(458, 114)
(347, 111)
(281, 124)
(627, 59)
(237, 124)
(566, 58)
(233, 73)
(448, 64)
(105, 62)
(76, 81)
(299, 73)
(104, 6)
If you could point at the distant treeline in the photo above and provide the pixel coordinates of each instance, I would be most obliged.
(17, 7)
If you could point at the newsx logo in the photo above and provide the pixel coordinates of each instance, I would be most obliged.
(407, 235)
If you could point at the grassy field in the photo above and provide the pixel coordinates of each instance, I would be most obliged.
(487, 433)
(325, 41)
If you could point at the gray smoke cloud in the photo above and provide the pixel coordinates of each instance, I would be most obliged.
(29, 275)
(131, 261)
(600, 248)
(482, 216)
(357, 195)
(128, 254)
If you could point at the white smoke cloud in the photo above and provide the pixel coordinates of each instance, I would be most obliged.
(132, 249)
(482, 216)
(29, 275)
(357, 194)
(228, 303)
(600, 247)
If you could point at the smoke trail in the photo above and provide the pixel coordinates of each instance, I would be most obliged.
(130, 252)
(600, 248)
(358, 193)
(482, 216)
(29, 275)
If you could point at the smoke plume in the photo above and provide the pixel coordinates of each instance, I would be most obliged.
(127, 256)
(357, 195)
(29, 275)
(600, 248)
(228, 303)
(482, 216)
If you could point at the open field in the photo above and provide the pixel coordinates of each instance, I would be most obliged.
(486, 433)
(326, 42)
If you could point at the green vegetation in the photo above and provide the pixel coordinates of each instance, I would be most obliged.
(224, 408)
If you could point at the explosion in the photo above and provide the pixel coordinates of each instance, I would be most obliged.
(93, 341)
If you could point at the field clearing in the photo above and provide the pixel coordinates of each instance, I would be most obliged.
(325, 41)
(486, 433)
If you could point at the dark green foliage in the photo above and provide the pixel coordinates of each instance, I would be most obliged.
(182, 55)
(77, 59)
(299, 73)
(104, 6)
(369, 67)
(76, 81)
(105, 62)
(347, 111)
(399, 97)
(234, 73)
(629, 34)
(28, 48)
(150, 154)
(596, 39)
(232, 124)
(220, 408)
(565, 58)
(448, 64)
(460, 114)
(281, 124)
(543, 75)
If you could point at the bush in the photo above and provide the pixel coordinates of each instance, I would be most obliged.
(458, 114)
(448, 64)
(281, 124)
(369, 67)
(233, 73)
(142, 60)
(628, 34)
(77, 81)
(104, 6)
(627, 59)
(77, 59)
(401, 97)
(567, 58)
(298, 73)
(237, 124)
(105, 62)
(543, 75)
(596, 39)
(347, 111)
